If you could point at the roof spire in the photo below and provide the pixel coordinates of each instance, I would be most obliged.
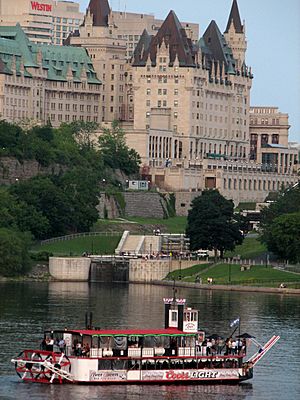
(100, 10)
(234, 17)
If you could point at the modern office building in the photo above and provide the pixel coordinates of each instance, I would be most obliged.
(45, 83)
(43, 21)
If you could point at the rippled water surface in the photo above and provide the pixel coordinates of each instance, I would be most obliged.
(26, 309)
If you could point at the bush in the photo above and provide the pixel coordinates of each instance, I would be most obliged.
(41, 256)
(14, 255)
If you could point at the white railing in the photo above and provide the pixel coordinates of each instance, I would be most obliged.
(77, 235)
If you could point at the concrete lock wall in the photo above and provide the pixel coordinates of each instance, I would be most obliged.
(70, 269)
(141, 270)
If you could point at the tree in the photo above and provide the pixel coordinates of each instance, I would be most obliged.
(277, 216)
(288, 201)
(211, 224)
(83, 132)
(48, 199)
(283, 238)
(83, 191)
(115, 153)
(17, 214)
(14, 255)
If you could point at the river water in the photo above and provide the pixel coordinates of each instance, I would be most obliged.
(26, 309)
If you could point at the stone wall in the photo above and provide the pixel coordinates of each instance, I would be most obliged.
(108, 207)
(139, 204)
(183, 202)
(145, 271)
(69, 268)
(12, 170)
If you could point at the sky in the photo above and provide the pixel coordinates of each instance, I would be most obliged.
(273, 35)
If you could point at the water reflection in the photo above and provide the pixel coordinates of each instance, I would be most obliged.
(124, 392)
(72, 290)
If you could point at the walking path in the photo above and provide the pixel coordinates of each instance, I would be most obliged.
(232, 288)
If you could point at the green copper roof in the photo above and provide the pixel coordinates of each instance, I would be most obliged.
(61, 62)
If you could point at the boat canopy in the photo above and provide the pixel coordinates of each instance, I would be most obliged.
(128, 332)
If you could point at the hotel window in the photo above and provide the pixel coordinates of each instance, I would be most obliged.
(175, 115)
(175, 103)
(148, 79)
(164, 103)
(148, 103)
(176, 92)
(159, 91)
(147, 114)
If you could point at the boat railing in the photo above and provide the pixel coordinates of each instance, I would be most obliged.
(151, 352)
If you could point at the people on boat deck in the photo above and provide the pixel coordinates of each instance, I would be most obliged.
(62, 345)
(78, 349)
(44, 344)
(86, 350)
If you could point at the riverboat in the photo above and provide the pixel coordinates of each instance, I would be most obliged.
(179, 353)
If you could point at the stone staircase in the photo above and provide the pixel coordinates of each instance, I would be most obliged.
(132, 244)
(152, 244)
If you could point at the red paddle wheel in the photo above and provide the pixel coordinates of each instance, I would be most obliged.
(43, 366)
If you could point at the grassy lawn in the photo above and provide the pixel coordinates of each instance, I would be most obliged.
(250, 248)
(187, 272)
(141, 225)
(257, 275)
(77, 246)
(173, 225)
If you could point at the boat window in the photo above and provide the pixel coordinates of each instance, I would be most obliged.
(119, 364)
(104, 364)
(120, 342)
(106, 342)
(174, 316)
(162, 364)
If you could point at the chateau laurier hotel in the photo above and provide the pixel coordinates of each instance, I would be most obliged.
(183, 102)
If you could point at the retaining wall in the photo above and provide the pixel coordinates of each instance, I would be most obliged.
(146, 271)
(70, 268)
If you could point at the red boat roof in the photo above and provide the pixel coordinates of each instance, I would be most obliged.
(132, 332)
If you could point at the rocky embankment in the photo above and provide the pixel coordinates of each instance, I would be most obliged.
(39, 272)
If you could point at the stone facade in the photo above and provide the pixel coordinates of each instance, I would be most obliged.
(269, 146)
(108, 53)
(45, 83)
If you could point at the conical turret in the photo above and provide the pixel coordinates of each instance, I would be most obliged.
(100, 11)
(235, 34)
(235, 19)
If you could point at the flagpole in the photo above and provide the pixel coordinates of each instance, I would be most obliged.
(239, 335)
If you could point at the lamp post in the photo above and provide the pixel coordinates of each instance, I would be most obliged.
(229, 272)
(179, 277)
